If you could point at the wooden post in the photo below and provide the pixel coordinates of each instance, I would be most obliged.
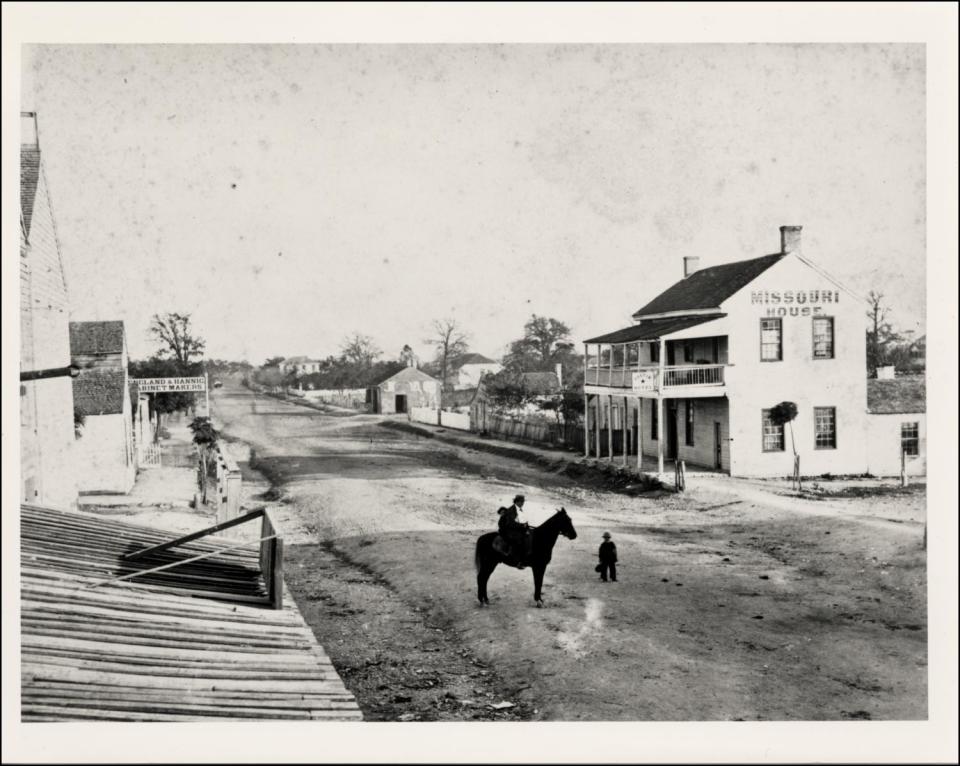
(659, 434)
(640, 401)
(623, 429)
(610, 419)
(586, 425)
(597, 417)
(903, 469)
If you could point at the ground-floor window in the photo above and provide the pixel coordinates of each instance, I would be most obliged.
(825, 427)
(773, 440)
(689, 423)
(910, 438)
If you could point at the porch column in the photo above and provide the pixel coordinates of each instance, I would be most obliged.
(586, 424)
(623, 428)
(659, 434)
(610, 421)
(640, 401)
(597, 417)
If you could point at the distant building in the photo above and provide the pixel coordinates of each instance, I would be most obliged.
(402, 392)
(301, 365)
(897, 423)
(465, 370)
(695, 377)
(47, 475)
(106, 457)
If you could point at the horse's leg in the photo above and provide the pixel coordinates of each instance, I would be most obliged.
(483, 575)
(538, 584)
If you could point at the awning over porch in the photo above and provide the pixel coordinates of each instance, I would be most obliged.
(653, 329)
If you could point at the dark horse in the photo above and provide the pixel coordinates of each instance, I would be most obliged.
(544, 538)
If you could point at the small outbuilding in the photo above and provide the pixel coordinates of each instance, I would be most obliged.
(404, 391)
(896, 435)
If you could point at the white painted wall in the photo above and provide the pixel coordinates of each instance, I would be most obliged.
(455, 420)
(469, 375)
(883, 444)
(106, 453)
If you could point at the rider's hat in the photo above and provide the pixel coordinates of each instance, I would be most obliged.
(519, 499)
(606, 535)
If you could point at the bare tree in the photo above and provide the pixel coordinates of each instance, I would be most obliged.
(176, 337)
(881, 337)
(360, 350)
(450, 341)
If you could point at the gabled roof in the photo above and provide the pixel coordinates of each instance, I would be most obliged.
(651, 329)
(471, 358)
(709, 287)
(301, 360)
(898, 396)
(408, 374)
(540, 382)
(99, 392)
(96, 338)
(29, 180)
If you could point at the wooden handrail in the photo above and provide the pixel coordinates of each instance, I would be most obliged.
(196, 535)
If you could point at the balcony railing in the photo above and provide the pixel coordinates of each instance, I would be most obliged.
(648, 378)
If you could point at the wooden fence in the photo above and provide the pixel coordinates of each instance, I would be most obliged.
(538, 432)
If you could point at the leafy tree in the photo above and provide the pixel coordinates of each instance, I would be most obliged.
(176, 337)
(157, 367)
(545, 344)
(450, 341)
(273, 361)
(360, 349)
(407, 357)
(505, 391)
(206, 437)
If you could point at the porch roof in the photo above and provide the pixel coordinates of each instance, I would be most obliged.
(653, 329)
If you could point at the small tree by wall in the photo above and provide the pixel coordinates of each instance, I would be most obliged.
(784, 414)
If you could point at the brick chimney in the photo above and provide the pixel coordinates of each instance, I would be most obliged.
(790, 239)
(690, 264)
(28, 130)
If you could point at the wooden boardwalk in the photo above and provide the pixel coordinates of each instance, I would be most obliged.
(187, 643)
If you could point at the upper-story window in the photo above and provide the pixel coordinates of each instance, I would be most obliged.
(771, 340)
(823, 338)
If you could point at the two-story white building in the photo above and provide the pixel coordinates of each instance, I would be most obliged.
(466, 370)
(301, 365)
(695, 376)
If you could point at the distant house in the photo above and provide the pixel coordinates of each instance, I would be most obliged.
(897, 423)
(105, 455)
(403, 391)
(301, 365)
(465, 371)
(541, 384)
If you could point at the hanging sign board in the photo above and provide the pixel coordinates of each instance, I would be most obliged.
(165, 385)
(646, 380)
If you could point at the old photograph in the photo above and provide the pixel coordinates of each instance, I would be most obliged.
(472, 382)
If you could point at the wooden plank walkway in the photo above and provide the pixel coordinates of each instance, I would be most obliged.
(180, 646)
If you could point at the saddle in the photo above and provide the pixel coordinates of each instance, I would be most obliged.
(515, 555)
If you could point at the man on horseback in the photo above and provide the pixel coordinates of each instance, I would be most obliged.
(514, 535)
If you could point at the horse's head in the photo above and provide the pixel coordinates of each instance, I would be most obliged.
(566, 526)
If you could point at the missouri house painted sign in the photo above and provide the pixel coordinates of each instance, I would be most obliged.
(164, 385)
(795, 303)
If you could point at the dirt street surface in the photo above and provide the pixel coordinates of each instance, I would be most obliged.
(735, 600)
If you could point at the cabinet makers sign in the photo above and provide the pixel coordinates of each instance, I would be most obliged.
(164, 385)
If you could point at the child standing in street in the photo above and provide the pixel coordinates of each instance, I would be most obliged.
(608, 559)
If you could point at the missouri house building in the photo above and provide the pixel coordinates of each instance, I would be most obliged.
(694, 377)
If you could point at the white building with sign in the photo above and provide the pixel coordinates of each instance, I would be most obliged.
(695, 376)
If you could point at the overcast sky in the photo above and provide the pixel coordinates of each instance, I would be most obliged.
(287, 196)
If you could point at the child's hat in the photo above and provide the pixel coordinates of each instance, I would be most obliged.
(606, 535)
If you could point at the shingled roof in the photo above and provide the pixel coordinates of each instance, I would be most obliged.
(99, 392)
(471, 358)
(651, 329)
(897, 396)
(408, 374)
(709, 287)
(96, 337)
(29, 180)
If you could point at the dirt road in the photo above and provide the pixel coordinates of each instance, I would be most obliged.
(730, 606)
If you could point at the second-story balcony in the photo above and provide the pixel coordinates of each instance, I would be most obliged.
(671, 380)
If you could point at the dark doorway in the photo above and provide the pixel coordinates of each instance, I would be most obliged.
(717, 447)
(671, 354)
(670, 451)
(400, 403)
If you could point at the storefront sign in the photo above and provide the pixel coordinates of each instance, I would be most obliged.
(165, 385)
(645, 380)
(795, 303)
